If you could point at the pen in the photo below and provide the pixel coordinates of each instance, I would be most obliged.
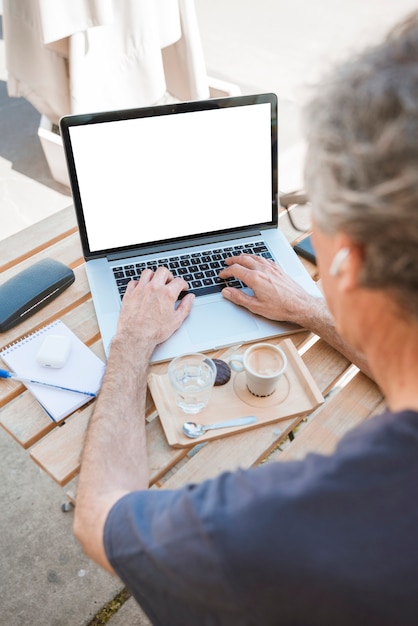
(22, 379)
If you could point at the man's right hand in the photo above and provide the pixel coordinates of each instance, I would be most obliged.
(276, 295)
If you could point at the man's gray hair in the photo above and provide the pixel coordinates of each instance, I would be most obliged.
(362, 160)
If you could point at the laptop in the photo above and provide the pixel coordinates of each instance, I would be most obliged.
(182, 185)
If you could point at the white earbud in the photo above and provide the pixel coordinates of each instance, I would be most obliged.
(338, 260)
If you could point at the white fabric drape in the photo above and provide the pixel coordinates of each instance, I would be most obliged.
(74, 56)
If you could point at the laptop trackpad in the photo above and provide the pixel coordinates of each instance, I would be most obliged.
(218, 321)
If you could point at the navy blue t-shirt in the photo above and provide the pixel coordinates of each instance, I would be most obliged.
(327, 540)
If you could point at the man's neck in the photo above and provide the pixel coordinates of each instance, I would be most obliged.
(392, 353)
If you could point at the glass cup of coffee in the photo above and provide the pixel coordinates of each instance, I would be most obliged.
(263, 364)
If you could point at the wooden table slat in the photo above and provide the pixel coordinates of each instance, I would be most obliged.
(326, 365)
(67, 250)
(229, 453)
(58, 455)
(36, 237)
(354, 403)
(25, 420)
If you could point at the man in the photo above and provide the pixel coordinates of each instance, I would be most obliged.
(328, 540)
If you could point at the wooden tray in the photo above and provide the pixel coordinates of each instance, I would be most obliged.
(296, 393)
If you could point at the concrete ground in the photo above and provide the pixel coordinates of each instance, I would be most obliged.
(268, 45)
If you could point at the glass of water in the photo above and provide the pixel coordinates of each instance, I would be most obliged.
(192, 377)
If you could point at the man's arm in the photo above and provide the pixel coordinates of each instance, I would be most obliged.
(115, 458)
(279, 297)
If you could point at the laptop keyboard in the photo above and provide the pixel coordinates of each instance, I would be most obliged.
(199, 269)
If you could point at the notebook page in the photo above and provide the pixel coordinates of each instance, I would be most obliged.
(83, 370)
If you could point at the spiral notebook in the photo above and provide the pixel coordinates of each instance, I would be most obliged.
(83, 370)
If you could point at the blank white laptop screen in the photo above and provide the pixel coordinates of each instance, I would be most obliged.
(158, 178)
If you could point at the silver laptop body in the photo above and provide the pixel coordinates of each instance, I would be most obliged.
(174, 182)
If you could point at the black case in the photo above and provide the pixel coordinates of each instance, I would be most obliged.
(31, 289)
(305, 249)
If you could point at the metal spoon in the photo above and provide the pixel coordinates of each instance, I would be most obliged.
(193, 430)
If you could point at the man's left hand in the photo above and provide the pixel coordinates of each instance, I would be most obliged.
(149, 312)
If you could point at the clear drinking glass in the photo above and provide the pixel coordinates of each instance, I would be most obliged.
(192, 377)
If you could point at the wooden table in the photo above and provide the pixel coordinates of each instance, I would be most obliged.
(351, 397)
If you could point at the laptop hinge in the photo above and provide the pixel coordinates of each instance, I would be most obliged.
(180, 245)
